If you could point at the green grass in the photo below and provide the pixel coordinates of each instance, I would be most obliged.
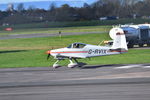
(37, 58)
(31, 52)
(23, 58)
(56, 30)
(50, 42)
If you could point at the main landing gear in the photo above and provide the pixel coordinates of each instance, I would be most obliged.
(70, 65)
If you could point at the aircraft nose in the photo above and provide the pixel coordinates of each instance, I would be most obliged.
(48, 52)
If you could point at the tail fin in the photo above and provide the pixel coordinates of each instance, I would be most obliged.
(120, 42)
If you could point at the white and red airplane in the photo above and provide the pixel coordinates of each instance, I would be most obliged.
(80, 50)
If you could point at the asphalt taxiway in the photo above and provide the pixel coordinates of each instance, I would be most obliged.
(101, 82)
(36, 35)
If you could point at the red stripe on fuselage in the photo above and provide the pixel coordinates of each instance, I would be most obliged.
(72, 52)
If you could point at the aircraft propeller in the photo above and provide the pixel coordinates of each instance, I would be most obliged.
(49, 54)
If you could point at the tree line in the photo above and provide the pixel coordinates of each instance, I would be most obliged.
(100, 8)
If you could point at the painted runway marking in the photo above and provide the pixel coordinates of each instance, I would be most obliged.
(146, 67)
(127, 67)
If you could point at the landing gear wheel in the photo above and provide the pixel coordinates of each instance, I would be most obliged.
(56, 66)
(72, 65)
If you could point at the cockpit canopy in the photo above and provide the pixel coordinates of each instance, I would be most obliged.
(77, 45)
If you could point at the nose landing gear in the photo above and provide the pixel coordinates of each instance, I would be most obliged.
(55, 65)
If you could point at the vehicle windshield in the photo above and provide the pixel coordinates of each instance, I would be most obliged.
(77, 45)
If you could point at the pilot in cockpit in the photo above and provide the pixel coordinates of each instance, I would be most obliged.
(75, 45)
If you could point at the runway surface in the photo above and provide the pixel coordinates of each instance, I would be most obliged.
(101, 82)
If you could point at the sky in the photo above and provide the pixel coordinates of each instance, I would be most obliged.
(43, 3)
(15, 1)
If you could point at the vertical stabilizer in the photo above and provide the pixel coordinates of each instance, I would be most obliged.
(120, 42)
